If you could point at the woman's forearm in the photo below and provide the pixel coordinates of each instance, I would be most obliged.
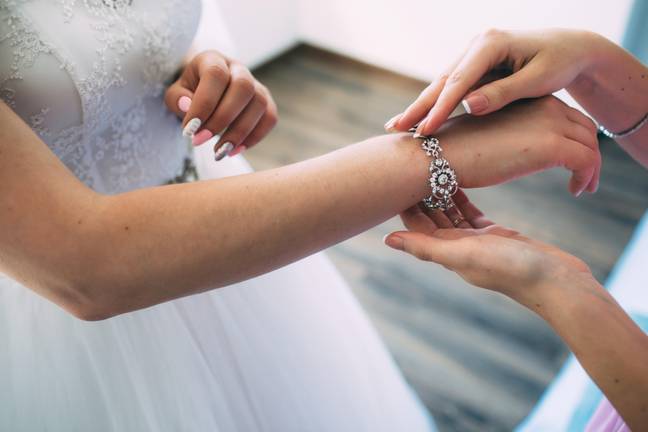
(158, 244)
(614, 89)
(608, 344)
(101, 255)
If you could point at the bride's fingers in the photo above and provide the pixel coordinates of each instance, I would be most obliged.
(263, 128)
(586, 136)
(456, 217)
(585, 130)
(240, 128)
(415, 220)
(239, 94)
(439, 218)
(473, 215)
(581, 161)
(178, 99)
(211, 79)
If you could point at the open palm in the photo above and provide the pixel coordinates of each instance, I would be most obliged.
(490, 256)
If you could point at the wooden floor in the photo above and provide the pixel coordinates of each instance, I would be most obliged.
(478, 361)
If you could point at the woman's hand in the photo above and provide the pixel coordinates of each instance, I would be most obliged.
(484, 254)
(556, 285)
(498, 68)
(219, 96)
(521, 139)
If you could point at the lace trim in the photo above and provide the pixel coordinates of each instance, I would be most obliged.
(103, 134)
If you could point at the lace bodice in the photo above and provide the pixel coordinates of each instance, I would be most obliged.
(88, 76)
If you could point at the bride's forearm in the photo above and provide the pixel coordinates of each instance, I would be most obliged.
(162, 243)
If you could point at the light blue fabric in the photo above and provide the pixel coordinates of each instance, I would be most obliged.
(636, 37)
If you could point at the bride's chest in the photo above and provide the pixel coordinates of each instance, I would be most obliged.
(96, 52)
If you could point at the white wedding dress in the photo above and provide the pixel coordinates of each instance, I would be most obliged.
(288, 351)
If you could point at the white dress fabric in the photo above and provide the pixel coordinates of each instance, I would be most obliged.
(288, 351)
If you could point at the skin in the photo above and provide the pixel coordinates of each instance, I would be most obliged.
(612, 86)
(554, 284)
(503, 66)
(227, 99)
(119, 253)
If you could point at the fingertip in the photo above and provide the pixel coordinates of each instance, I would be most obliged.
(392, 123)
(430, 126)
(394, 241)
(577, 189)
(476, 103)
(466, 106)
(238, 150)
(184, 103)
(201, 137)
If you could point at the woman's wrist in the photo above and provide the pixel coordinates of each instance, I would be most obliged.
(563, 288)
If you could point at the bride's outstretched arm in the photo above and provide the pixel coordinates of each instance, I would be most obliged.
(98, 256)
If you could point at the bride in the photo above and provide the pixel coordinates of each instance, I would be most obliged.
(90, 229)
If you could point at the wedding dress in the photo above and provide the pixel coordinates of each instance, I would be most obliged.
(288, 351)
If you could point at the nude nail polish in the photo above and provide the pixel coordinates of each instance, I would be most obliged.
(476, 103)
(223, 151)
(394, 242)
(184, 103)
(201, 137)
(420, 128)
(389, 126)
(192, 127)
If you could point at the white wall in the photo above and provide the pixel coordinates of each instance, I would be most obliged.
(420, 37)
(252, 31)
(414, 37)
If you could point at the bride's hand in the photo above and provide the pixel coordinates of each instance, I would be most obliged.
(523, 138)
(484, 254)
(224, 96)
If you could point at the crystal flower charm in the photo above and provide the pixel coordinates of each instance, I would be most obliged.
(443, 179)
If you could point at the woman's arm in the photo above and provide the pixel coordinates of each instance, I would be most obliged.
(557, 286)
(98, 256)
(613, 88)
(503, 66)
(608, 344)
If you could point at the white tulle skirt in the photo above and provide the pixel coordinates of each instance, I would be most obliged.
(288, 351)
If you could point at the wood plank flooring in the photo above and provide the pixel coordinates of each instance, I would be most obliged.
(478, 361)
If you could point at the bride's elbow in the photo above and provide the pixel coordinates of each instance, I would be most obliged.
(81, 298)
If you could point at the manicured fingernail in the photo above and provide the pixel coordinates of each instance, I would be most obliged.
(223, 151)
(394, 241)
(421, 127)
(201, 137)
(389, 126)
(238, 150)
(192, 127)
(184, 103)
(476, 103)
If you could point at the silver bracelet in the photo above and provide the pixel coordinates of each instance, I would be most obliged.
(625, 133)
(443, 179)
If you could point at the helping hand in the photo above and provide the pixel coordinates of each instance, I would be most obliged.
(500, 67)
(484, 254)
(224, 96)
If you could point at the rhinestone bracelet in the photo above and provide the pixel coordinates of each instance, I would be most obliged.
(443, 179)
(626, 133)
